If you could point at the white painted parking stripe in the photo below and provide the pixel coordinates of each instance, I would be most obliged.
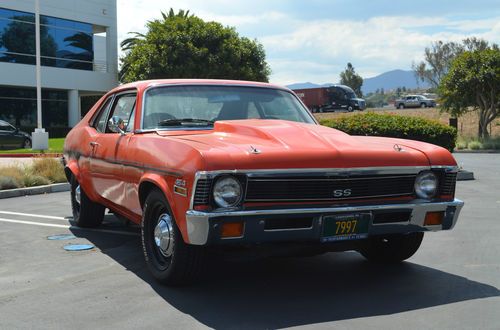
(34, 215)
(43, 224)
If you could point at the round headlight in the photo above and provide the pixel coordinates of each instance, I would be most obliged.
(426, 185)
(227, 192)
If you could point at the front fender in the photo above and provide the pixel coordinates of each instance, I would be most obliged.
(72, 169)
(164, 184)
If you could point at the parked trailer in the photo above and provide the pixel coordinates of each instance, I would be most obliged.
(336, 97)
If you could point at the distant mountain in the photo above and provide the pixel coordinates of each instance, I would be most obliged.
(387, 80)
(392, 80)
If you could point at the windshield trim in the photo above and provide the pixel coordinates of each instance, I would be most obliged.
(147, 89)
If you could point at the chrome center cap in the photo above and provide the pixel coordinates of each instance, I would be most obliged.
(78, 194)
(163, 234)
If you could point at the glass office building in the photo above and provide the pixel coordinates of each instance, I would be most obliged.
(78, 58)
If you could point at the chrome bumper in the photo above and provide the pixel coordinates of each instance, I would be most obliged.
(199, 226)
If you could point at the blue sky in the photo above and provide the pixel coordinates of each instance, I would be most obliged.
(313, 40)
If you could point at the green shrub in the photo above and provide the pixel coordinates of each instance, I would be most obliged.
(8, 182)
(31, 180)
(475, 145)
(493, 143)
(404, 127)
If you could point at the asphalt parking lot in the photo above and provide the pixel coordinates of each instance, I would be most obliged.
(452, 282)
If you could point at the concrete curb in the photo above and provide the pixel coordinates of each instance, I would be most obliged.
(51, 188)
(486, 151)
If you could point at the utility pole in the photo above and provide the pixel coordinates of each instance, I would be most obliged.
(40, 138)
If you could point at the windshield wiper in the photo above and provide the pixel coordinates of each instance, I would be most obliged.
(185, 122)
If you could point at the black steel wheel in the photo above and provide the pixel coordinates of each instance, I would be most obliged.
(86, 213)
(392, 248)
(168, 258)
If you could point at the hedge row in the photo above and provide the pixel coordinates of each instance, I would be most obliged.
(388, 125)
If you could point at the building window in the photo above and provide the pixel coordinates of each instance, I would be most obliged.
(63, 43)
(18, 107)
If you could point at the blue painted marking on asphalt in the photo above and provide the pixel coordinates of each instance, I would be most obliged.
(61, 237)
(78, 247)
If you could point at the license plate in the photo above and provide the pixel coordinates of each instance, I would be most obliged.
(344, 227)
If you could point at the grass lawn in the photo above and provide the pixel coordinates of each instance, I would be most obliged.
(55, 146)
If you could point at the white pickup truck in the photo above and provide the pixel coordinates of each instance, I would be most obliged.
(414, 101)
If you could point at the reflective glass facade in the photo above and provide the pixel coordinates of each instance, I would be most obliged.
(63, 43)
(18, 107)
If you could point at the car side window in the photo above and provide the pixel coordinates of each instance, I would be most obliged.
(101, 119)
(123, 108)
(6, 127)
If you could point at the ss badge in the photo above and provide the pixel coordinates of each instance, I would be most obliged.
(342, 193)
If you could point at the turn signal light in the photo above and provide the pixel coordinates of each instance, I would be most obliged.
(232, 229)
(433, 218)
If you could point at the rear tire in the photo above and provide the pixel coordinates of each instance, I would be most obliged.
(168, 258)
(401, 106)
(86, 213)
(392, 248)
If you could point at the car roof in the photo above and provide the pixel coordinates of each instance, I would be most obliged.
(143, 84)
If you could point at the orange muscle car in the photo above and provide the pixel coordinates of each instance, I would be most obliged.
(244, 166)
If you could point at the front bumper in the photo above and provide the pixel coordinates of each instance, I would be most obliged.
(204, 227)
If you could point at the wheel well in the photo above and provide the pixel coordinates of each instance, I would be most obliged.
(144, 189)
(68, 173)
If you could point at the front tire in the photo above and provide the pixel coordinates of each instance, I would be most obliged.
(168, 258)
(423, 105)
(392, 248)
(350, 108)
(26, 144)
(86, 213)
(401, 106)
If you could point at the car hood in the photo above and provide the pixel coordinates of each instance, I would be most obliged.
(260, 144)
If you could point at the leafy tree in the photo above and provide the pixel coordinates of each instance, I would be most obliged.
(181, 45)
(350, 78)
(473, 82)
(438, 58)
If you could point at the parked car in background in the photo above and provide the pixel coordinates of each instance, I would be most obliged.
(336, 97)
(12, 138)
(238, 166)
(414, 101)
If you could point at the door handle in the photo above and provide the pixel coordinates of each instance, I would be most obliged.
(93, 144)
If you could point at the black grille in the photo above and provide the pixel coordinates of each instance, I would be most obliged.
(202, 194)
(321, 188)
(447, 183)
(295, 188)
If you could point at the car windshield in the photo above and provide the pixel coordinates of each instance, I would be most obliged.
(179, 107)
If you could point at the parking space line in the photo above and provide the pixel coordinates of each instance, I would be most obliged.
(33, 215)
(43, 224)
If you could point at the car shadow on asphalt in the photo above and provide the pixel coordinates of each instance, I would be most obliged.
(286, 292)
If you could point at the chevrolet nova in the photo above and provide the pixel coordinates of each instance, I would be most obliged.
(233, 166)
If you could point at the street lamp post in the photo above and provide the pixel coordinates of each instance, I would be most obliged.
(40, 138)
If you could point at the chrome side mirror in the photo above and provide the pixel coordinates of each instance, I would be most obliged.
(116, 125)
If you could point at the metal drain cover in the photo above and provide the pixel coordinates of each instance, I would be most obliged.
(78, 247)
(61, 237)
